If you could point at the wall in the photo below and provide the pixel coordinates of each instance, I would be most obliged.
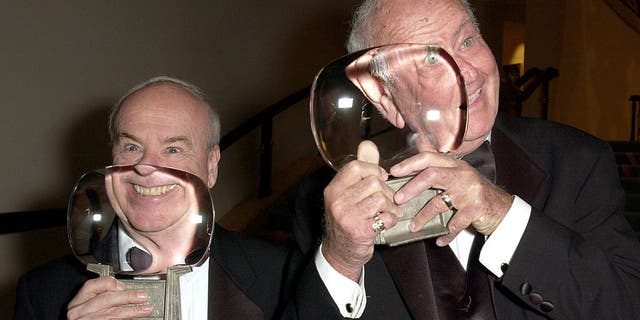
(598, 57)
(64, 63)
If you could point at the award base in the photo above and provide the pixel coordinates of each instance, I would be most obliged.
(400, 233)
(164, 295)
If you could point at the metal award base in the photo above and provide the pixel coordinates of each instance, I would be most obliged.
(400, 233)
(164, 295)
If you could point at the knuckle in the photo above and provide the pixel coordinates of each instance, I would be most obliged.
(378, 200)
(352, 167)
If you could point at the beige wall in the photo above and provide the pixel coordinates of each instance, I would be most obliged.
(64, 63)
(598, 57)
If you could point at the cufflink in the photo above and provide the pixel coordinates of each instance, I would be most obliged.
(504, 267)
(546, 306)
(349, 307)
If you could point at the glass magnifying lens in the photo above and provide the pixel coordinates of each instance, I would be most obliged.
(406, 98)
(146, 224)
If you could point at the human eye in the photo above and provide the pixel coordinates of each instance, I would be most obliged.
(129, 147)
(173, 149)
(467, 42)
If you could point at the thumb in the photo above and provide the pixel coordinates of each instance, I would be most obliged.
(368, 152)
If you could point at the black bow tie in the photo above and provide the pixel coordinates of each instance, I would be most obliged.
(482, 159)
(138, 259)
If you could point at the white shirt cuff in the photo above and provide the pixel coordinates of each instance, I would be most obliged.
(500, 246)
(349, 296)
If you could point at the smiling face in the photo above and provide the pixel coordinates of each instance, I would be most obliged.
(447, 24)
(162, 125)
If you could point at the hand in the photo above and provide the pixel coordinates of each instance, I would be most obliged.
(479, 203)
(353, 198)
(107, 298)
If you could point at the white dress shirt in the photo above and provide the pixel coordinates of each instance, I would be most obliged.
(351, 299)
(194, 286)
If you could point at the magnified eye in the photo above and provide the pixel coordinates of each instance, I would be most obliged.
(432, 55)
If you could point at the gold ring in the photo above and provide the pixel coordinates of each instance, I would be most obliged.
(378, 224)
(447, 200)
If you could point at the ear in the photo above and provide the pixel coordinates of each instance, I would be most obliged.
(212, 166)
(373, 88)
(389, 110)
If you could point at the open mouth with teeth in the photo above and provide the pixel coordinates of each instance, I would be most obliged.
(153, 191)
(472, 97)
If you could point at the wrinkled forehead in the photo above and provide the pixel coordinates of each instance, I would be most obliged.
(415, 21)
(168, 109)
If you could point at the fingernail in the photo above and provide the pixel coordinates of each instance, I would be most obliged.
(399, 197)
(145, 308)
(412, 227)
(120, 286)
(440, 243)
(142, 295)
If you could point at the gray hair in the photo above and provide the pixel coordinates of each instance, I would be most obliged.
(360, 39)
(214, 119)
(380, 68)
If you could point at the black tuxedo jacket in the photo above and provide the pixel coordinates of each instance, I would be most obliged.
(578, 257)
(245, 277)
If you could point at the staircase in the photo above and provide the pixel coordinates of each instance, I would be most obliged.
(628, 160)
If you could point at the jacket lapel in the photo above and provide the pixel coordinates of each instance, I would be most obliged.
(408, 267)
(515, 171)
(226, 300)
(228, 275)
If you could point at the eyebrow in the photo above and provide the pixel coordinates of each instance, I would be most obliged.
(127, 136)
(170, 140)
(462, 26)
(182, 139)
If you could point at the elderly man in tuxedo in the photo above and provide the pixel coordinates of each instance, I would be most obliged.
(539, 235)
(164, 122)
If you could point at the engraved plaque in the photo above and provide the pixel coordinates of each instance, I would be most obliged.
(400, 233)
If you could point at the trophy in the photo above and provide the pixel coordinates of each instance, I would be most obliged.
(406, 98)
(144, 224)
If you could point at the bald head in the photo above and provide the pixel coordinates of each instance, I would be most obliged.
(368, 24)
(213, 134)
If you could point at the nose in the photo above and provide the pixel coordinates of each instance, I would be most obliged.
(468, 71)
(149, 157)
(144, 169)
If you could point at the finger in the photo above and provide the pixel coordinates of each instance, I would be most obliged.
(351, 211)
(380, 202)
(110, 300)
(355, 171)
(420, 162)
(352, 200)
(458, 222)
(389, 220)
(443, 178)
(105, 296)
(121, 312)
(434, 207)
(94, 287)
(368, 152)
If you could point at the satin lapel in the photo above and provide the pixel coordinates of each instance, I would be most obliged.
(409, 269)
(229, 275)
(514, 169)
(227, 301)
